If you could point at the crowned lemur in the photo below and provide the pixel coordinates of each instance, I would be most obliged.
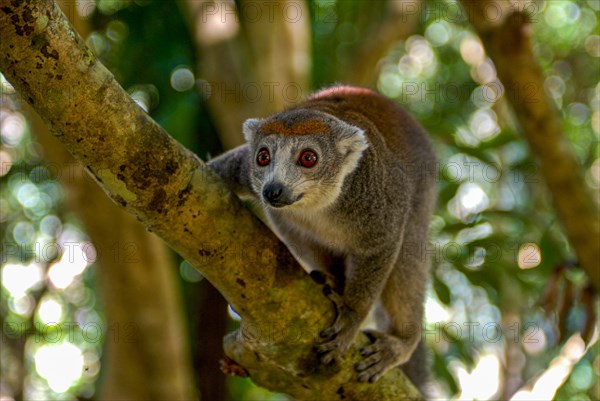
(346, 180)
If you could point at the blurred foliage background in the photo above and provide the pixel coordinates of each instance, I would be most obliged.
(496, 242)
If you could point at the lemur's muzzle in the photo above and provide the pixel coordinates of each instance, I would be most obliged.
(277, 195)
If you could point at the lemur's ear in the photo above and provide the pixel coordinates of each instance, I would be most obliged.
(351, 138)
(250, 126)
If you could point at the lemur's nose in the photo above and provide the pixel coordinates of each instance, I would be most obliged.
(272, 192)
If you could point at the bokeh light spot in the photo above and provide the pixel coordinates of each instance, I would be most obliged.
(182, 79)
(60, 364)
(530, 256)
(50, 310)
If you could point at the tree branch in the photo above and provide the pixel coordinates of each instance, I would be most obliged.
(508, 42)
(174, 195)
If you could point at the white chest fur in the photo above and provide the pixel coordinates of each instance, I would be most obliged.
(316, 226)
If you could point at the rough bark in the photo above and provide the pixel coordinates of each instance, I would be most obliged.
(174, 195)
(506, 36)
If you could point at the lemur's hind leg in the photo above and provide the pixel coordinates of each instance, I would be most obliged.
(400, 318)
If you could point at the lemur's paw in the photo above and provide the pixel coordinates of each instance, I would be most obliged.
(329, 352)
(331, 286)
(338, 337)
(320, 277)
(334, 297)
(385, 353)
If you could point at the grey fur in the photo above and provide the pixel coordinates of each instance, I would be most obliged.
(360, 214)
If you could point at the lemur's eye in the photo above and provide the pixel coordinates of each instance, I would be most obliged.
(308, 158)
(263, 158)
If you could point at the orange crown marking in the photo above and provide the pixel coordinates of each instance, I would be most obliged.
(342, 91)
(303, 128)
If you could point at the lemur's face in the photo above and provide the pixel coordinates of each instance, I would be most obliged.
(299, 159)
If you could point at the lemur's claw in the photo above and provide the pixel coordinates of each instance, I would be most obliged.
(383, 354)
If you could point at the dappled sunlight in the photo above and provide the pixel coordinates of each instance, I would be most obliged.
(50, 310)
(18, 279)
(71, 264)
(219, 23)
(12, 128)
(472, 51)
(470, 199)
(537, 341)
(182, 79)
(483, 124)
(480, 383)
(530, 256)
(546, 385)
(435, 311)
(60, 364)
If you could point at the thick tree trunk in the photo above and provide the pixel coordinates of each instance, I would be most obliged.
(173, 194)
